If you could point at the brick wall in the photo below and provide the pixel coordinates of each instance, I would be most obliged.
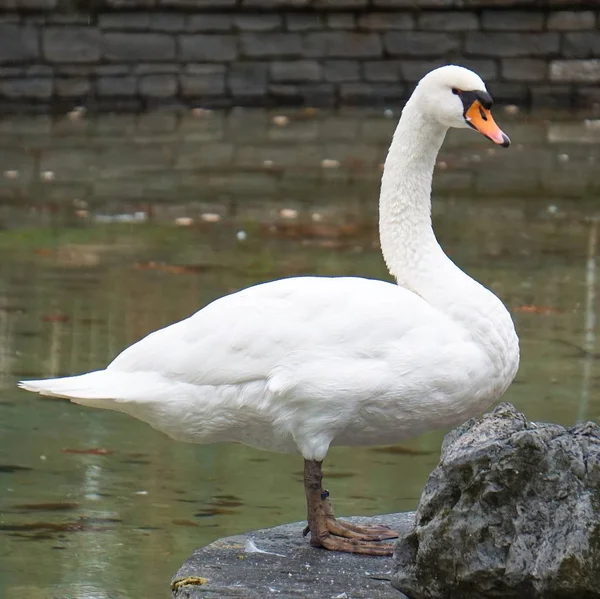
(132, 54)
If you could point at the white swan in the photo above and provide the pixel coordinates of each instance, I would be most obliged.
(301, 364)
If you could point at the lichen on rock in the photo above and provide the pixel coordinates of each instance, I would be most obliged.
(511, 511)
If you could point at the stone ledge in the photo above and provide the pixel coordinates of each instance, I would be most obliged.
(286, 567)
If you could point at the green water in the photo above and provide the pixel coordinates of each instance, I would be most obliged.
(118, 521)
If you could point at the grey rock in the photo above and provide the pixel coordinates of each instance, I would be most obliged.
(71, 44)
(209, 48)
(419, 43)
(296, 71)
(382, 21)
(571, 20)
(271, 45)
(512, 511)
(448, 21)
(158, 86)
(133, 47)
(485, 67)
(19, 44)
(343, 44)
(341, 70)
(167, 21)
(248, 79)
(156, 68)
(585, 44)
(110, 69)
(524, 69)
(510, 45)
(292, 569)
(512, 20)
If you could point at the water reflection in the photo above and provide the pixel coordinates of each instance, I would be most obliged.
(97, 505)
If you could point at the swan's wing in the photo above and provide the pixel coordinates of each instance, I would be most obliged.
(276, 327)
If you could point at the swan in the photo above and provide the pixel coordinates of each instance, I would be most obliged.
(301, 364)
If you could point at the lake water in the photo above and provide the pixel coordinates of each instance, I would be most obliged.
(115, 226)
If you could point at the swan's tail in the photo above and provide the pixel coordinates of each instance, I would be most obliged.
(98, 389)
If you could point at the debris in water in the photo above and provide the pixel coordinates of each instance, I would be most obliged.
(184, 221)
(288, 213)
(10, 469)
(55, 318)
(200, 112)
(511, 109)
(388, 113)
(90, 451)
(330, 163)
(531, 309)
(241, 235)
(11, 174)
(210, 217)
(48, 176)
(280, 120)
(58, 506)
(563, 158)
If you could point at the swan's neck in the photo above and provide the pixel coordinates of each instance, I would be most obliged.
(411, 250)
(407, 238)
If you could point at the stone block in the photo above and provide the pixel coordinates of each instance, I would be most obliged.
(512, 45)
(258, 22)
(72, 87)
(167, 21)
(210, 22)
(18, 44)
(551, 96)
(448, 21)
(339, 4)
(134, 47)
(512, 20)
(208, 48)
(246, 79)
(295, 71)
(343, 44)
(486, 68)
(382, 70)
(158, 86)
(571, 20)
(337, 71)
(203, 80)
(418, 43)
(195, 156)
(381, 21)
(124, 21)
(509, 93)
(111, 70)
(271, 45)
(585, 44)
(575, 71)
(71, 44)
(587, 97)
(33, 88)
(368, 93)
(303, 21)
(116, 86)
(156, 68)
(340, 21)
(318, 94)
(413, 70)
(524, 69)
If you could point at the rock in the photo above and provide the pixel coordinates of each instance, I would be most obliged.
(71, 44)
(271, 45)
(279, 562)
(134, 47)
(512, 511)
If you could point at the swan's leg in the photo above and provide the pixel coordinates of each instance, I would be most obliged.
(327, 532)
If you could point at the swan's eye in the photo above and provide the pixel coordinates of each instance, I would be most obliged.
(455, 91)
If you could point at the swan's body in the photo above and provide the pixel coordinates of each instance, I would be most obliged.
(304, 363)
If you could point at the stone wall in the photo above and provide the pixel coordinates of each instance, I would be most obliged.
(131, 54)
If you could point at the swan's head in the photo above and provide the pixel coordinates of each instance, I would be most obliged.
(457, 97)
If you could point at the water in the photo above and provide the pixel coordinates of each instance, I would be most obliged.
(97, 505)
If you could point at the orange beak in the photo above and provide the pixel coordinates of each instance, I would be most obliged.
(481, 119)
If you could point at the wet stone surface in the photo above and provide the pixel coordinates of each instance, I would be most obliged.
(232, 567)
